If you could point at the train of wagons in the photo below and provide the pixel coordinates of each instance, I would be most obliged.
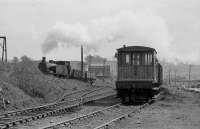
(63, 69)
(139, 74)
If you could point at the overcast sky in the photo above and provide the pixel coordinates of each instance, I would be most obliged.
(56, 28)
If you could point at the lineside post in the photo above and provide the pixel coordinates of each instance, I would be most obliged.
(169, 76)
(175, 71)
(82, 61)
(4, 48)
(189, 74)
(104, 63)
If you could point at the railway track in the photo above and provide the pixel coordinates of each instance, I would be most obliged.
(80, 93)
(65, 97)
(51, 105)
(75, 120)
(99, 119)
(11, 119)
(123, 116)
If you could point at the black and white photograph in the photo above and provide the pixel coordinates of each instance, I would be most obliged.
(99, 64)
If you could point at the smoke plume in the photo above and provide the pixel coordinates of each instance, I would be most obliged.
(124, 28)
(96, 59)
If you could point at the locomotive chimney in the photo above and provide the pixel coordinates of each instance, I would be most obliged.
(82, 60)
(43, 59)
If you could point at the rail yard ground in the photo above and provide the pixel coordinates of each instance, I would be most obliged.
(177, 109)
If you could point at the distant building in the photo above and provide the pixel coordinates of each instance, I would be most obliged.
(113, 67)
(77, 65)
(99, 70)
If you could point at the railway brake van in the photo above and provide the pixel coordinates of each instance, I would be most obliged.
(139, 74)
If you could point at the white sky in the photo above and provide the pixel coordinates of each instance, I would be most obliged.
(27, 22)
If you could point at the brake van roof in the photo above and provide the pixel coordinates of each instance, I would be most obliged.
(136, 48)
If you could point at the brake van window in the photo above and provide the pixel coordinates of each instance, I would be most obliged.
(138, 59)
(145, 59)
(150, 59)
(133, 59)
(127, 59)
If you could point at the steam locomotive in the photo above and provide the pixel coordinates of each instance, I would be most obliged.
(63, 69)
(139, 73)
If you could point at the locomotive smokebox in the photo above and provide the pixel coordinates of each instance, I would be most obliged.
(43, 59)
(43, 66)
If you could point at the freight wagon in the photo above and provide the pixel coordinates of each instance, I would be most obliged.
(63, 69)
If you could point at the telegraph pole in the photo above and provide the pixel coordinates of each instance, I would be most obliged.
(104, 63)
(169, 76)
(4, 48)
(175, 76)
(89, 65)
(189, 73)
(82, 60)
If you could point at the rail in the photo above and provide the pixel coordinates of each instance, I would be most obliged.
(103, 126)
(84, 90)
(80, 117)
(42, 107)
(93, 114)
(78, 101)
